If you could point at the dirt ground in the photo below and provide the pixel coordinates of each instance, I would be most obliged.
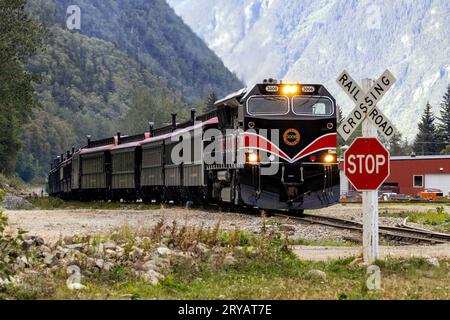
(53, 224)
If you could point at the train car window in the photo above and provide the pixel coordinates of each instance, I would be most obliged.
(268, 105)
(312, 106)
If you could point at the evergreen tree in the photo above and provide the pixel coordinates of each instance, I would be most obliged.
(446, 150)
(155, 107)
(210, 100)
(427, 140)
(395, 145)
(407, 148)
(20, 37)
(444, 120)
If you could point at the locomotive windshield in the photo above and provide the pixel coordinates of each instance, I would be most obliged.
(268, 105)
(312, 106)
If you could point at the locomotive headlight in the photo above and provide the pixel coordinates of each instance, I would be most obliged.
(290, 89)
(286, 89)
(253, 158)
(329, 158)
(294, 89)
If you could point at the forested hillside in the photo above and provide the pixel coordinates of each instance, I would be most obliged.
(130, 63)
(20, 38)
(85, 90)
(153, 34)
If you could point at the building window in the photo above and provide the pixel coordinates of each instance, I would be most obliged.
(418, 181)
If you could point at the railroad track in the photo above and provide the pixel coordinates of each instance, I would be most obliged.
(403, 234)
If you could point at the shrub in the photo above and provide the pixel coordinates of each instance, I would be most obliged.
(10, 248)
(7, 182)
(431, 217)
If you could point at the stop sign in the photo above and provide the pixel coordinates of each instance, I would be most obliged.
(366, 164)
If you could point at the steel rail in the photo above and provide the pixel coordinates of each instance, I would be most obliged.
(400, 234)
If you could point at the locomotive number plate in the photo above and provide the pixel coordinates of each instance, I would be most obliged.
(291, 137)
(272, 88)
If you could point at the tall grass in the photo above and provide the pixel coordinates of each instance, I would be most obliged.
(438, 218)
(11, 182)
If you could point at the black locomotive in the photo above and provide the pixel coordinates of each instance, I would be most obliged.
(272, 146)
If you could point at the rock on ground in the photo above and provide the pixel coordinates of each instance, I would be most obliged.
(11, 201)
(317, 274)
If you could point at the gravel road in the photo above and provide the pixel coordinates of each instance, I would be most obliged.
(319, 253)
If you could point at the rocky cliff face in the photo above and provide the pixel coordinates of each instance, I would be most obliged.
(312, 41)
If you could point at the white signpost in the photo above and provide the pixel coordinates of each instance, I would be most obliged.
(372, 119)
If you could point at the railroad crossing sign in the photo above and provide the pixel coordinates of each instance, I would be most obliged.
(365, 104)
(366, 163)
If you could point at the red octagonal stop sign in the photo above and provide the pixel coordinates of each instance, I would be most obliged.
(366, 164)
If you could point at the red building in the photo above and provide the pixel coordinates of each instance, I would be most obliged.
(411, 175)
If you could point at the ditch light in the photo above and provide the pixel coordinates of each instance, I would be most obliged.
(253, 158)
(329, 158)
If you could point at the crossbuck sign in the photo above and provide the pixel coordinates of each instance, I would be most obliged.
(366, 105)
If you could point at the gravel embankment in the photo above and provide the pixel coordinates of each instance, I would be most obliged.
(51, 224)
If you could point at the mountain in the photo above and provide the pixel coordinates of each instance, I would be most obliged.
(313, 41)
(127, 56)
(151, 33)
